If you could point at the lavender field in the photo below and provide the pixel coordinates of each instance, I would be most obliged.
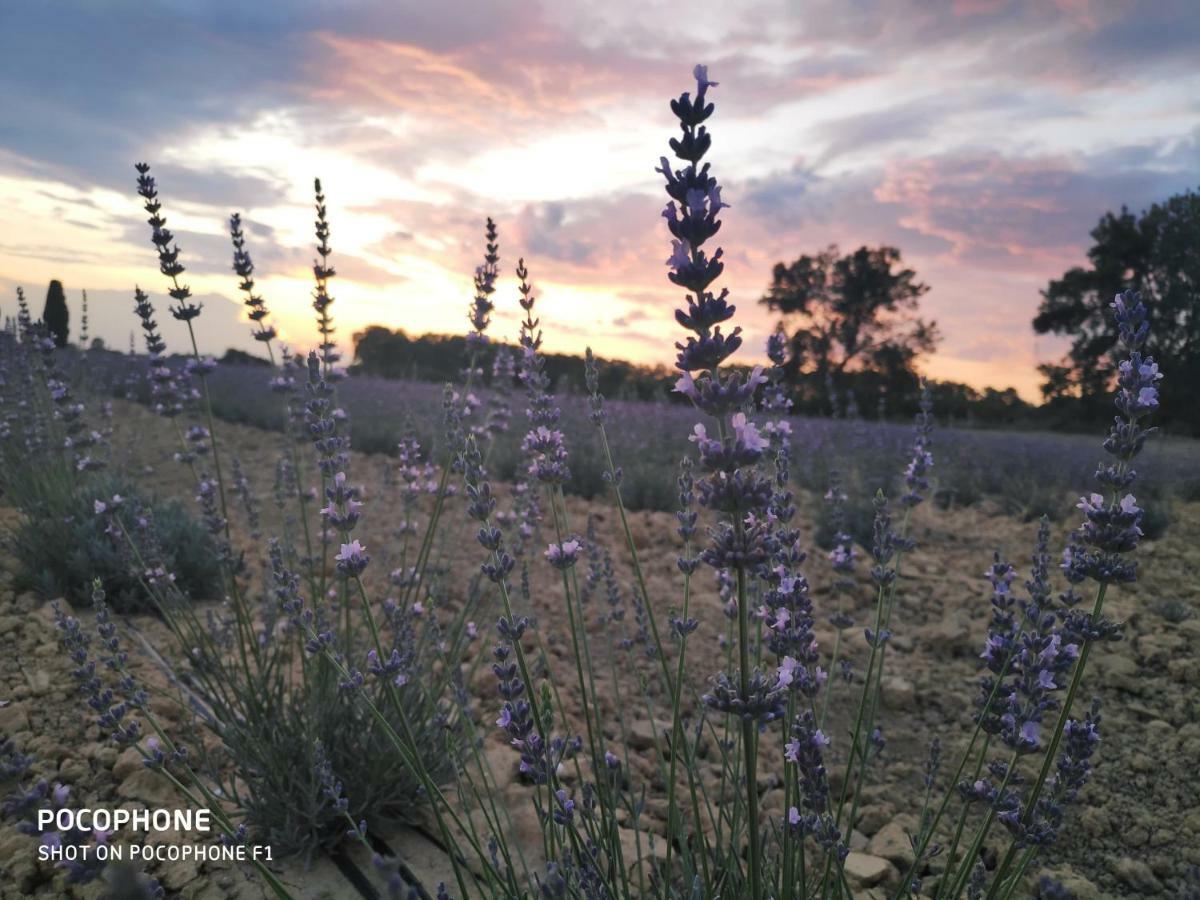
(1023, 472)
(279, 630)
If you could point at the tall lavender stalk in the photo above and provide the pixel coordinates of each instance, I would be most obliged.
(456, 406)
(186, 311)
(282, 383)
(322, 272)
(731, 485)
(888, 547)
(1097, 552)
(256, 307)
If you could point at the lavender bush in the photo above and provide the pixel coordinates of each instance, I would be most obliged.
(1024, 473)
(360, 678)
(53, 468)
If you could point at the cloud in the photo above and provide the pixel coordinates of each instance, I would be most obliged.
(547, 234)
(982, 137)
(997, 211)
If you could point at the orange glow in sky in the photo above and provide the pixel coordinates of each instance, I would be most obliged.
(982, 139)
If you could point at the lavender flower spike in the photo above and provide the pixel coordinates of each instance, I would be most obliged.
(168, 250)
(243, 266)
(1112, 523)
(732, 483)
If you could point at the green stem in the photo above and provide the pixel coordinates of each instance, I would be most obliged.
(789, 788)
(837, 644)
(749, 741)
(1056, 738)
(962, 816)
(963, 874)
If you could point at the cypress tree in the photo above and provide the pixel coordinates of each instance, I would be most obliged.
(56, 316)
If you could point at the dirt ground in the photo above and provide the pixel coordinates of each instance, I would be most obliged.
(1134, 832)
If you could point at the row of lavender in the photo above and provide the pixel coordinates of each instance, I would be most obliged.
(358, 672)
(1025, 472)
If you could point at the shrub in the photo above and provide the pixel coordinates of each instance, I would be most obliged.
(52, 464)
(60, 545)
(282, 713)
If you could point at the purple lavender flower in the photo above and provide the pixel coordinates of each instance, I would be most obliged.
(243, 266)
(331, 787)
(322, 272)
(733, 485)
(166, 390)
(1111, 526)
(775, 394)
(691, 217)
(485, 286)
(115, 717)
(916, 472)
(806, 752)
(1073, 769)
(352, 559)
(843, 555)
(1028, 656)
(168, 250)
(344, 508)
(762, 700)
(591, 377)
(544, 444)
(323, 420)
(562, 554)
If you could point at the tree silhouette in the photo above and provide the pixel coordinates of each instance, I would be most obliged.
(1156, 253)
(56, 316)
(852, 313)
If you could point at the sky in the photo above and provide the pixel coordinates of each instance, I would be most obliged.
(983, 138)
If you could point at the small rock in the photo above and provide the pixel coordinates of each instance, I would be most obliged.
(1120, 671)
(899, 693)
(174, 875)
(39, 681)
(1136, 874)
(14, 718)
(949, 637)
(152, 788)
(525, 828)
(73, 771)
(652, 856)
(874, 817)
(1142, 762)
(20, 861)
(643, 734)
(901, 642)
(1159, 731)
(864, 870)
(127, 763)
(1186, 671)
(1094, 821)
(502, 763)
(1074, 882)
(891, 842)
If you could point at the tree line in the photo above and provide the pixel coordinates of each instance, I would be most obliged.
(855, 336)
